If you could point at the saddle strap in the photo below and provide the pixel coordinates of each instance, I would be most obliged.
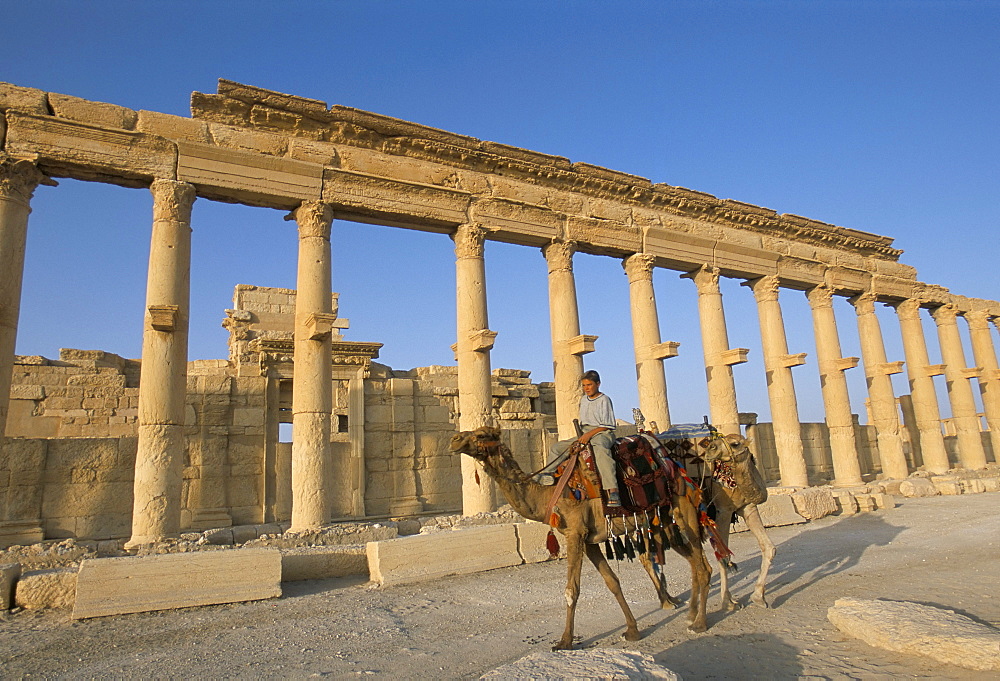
(574, 454)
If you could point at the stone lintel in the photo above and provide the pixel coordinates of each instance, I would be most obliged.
(733, 356)
(795, 360)
(581, 345)
(253, 178)
(934, 370)
(890, 368)
(664, 350)
(357, 195)
(163, 317)
(69, 148)
(516, 222)
(678, 250)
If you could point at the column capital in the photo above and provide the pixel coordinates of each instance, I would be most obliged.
(978, 319)
(314, 219)
(172, 200)
(765, 289)
(945, 314)
(908, 309)
(639, 267)
(18, 179)
(864, 303)
(706, 278)
(470, 240)
(559, 255)
(820, 297)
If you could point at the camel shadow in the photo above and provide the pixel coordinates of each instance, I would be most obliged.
(821, 551)
(742, 656)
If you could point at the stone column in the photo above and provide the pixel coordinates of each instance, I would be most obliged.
(156, 511)
(719, 358)
(312, 383)
(985, 355)
(956, 375)
(18, 180)
(780, 388)
(568, 345)
(882, 400)
(832, 365)
(922, 392)
(475, 340)
(649, 351)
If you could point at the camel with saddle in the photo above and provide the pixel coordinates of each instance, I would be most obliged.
(576, 510)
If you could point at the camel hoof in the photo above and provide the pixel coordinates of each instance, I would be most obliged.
(632, 635)
(761, 601)
(563, 646)
(671, 603)
(697, 628)
(731, 605)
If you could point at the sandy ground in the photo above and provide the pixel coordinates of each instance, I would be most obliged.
(938, 551)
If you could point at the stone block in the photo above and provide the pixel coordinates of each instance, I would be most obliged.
(24, 99)
(94, 113)
(866, 502)
(916, 629)
(116, 586)
(972, 486)
(583, 664)
(222, 536)
(917, 487)
(846, 503)
(991, 484)
(244, 533)
(9, 574)
(172, 127)
(531, 541)
(430, 556)
(54, 588)
(814, 502)
(883, 500)
(947, 486)
(323, 562)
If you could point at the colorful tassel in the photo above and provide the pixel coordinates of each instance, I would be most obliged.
(552, 544)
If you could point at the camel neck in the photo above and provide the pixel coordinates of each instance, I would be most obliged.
(526, 496)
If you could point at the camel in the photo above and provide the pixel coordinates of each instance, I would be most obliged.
(733, 453)
(578, 521)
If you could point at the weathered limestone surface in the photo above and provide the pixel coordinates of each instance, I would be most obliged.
(115, 586)
(323, 562)
(814, 502)
(9, 574)
(430, 556)
(583, 664)
(779, 509)
(55, 588)
(912, 628)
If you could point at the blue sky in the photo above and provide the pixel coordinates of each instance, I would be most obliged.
(879, 116)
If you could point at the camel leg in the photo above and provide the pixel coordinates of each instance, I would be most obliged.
(723, 523)
(751, 514)
(574, 561)
(615, 586)
(659, 583)
(701, 570)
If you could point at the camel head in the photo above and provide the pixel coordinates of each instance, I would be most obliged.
(478, 443)
(728, 448)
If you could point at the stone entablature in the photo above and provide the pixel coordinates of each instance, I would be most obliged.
(259, 147)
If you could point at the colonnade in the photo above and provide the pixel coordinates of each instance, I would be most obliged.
(164, 357)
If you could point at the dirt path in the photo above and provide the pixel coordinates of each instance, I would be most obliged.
(938, 551)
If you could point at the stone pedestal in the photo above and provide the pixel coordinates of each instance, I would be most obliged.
(719, 358)
(475, 340)
(780, 389)
(312, 386)
(963, 406)
(922, 392)
(885, 415)
(989, 378)
(18, 180)
(839, 421)
(564, 321)
(159, 459)
(649, 351)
